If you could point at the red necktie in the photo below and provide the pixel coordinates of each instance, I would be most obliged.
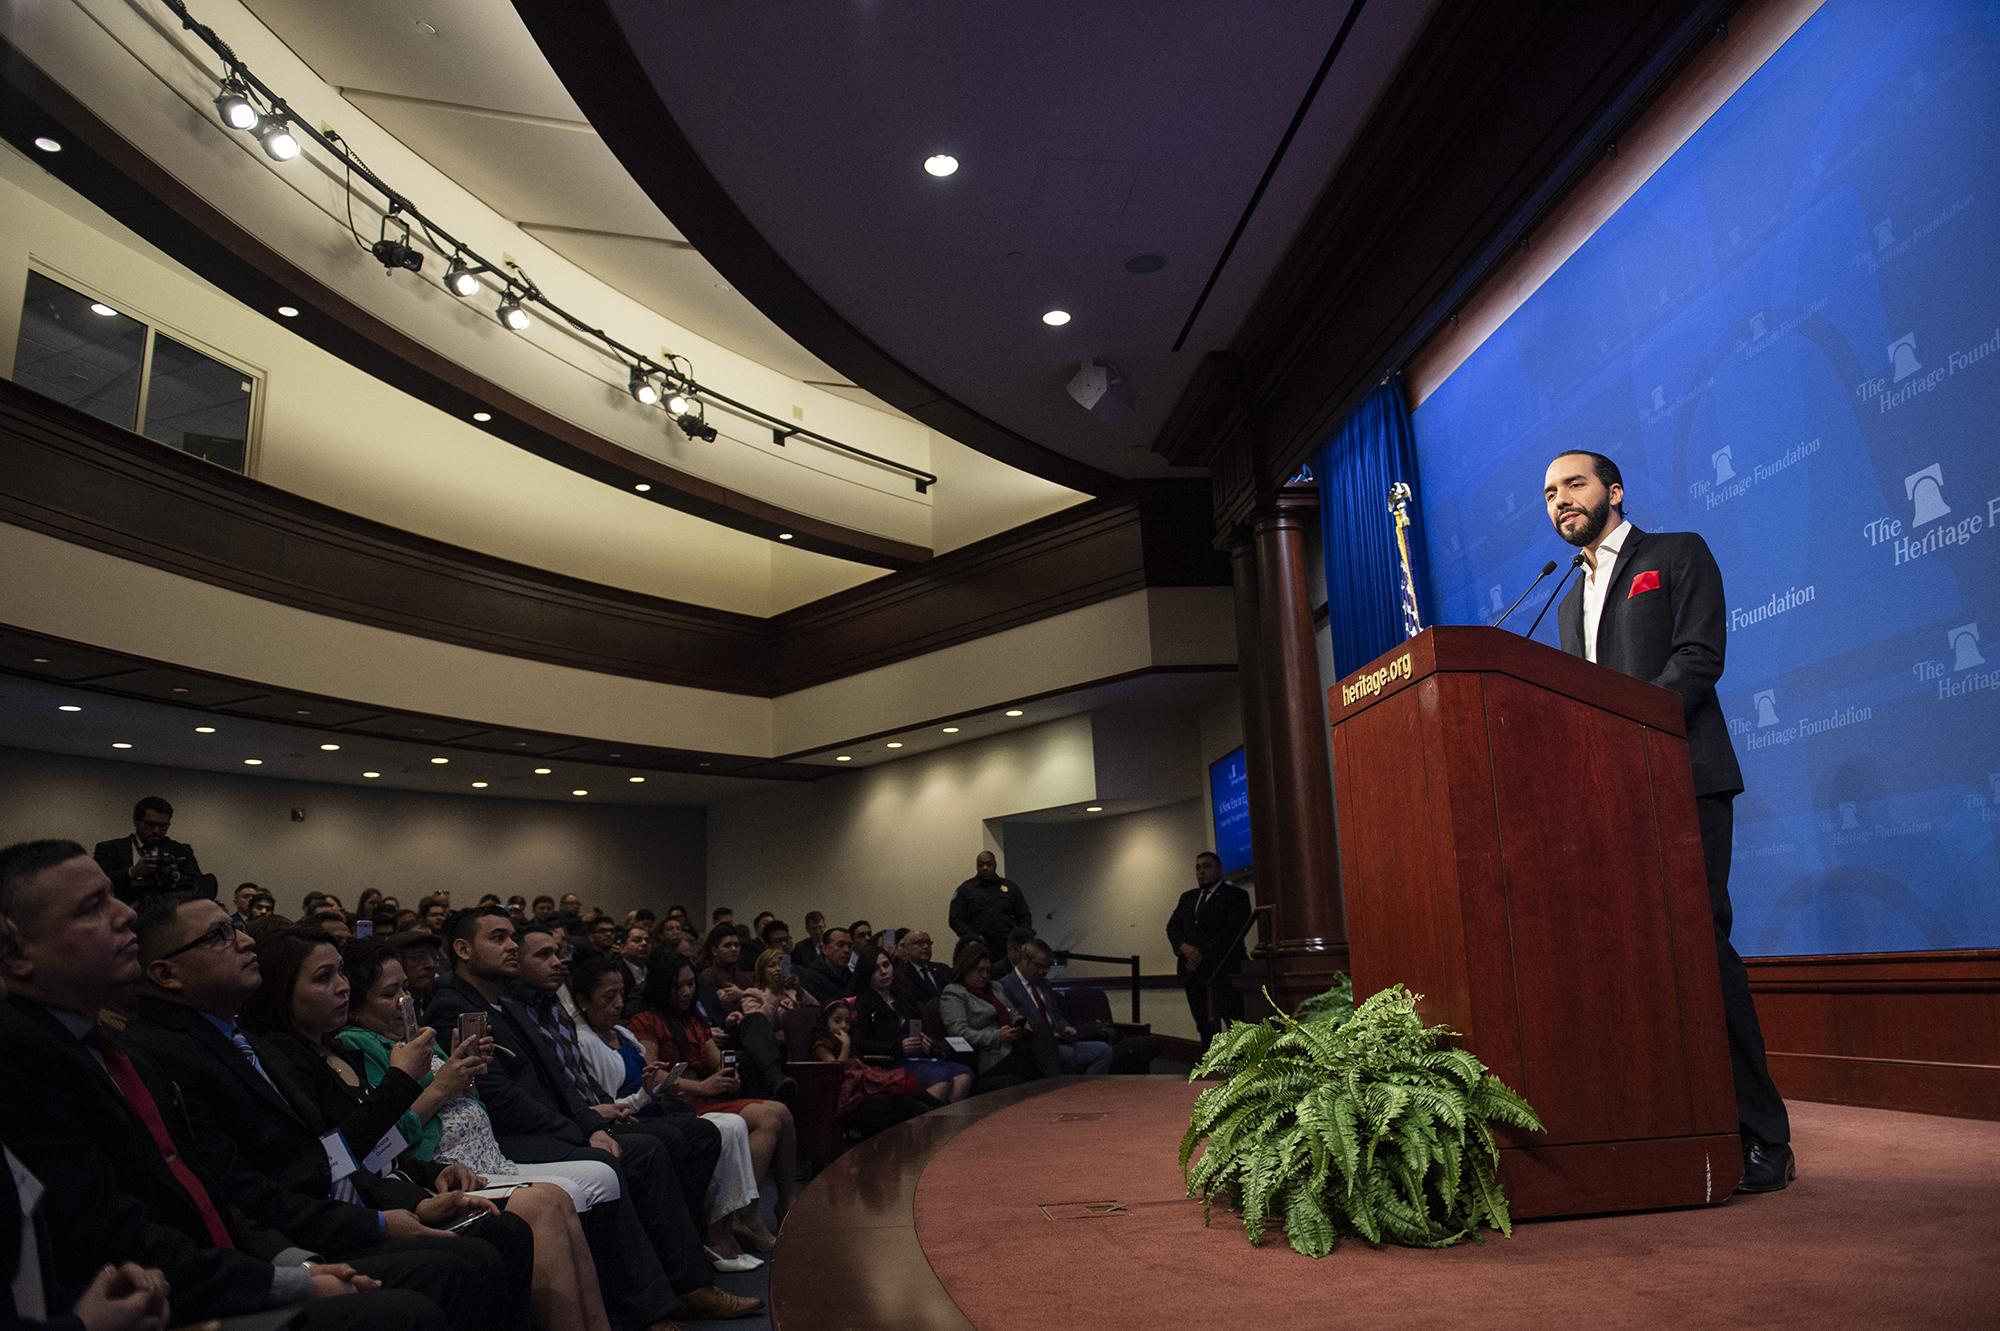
(126, 1078)
(1036, 990)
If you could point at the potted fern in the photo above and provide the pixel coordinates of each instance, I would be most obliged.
(1350, 1120)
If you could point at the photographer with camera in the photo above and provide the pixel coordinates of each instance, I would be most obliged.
(150, 861)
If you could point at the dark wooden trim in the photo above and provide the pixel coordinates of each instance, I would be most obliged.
(107, 489)
(860, 1213)
(1914, 1031)
(584, 43)
(105, 168)
(1434, 192)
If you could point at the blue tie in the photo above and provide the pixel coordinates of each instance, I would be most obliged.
(242, 1043)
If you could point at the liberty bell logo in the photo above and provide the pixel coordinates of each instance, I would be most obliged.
(1767, 706)
(1925, 491)
(1903, 357)
(1659, 397)
(1964, 642)
(1850, 817)
(1885, 235)
(1498, 599)
(1724, 471)
(1757, 333)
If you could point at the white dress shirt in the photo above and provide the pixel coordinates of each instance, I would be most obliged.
(1597, 582)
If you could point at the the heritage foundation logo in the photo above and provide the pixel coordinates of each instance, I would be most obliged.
(1927, 533)
(1722, 460)
(1769, 730)
(1777, 603)
(1965, 647)
(1903, 360)
(1964, 669)
(1732, 482)
(1911, 375)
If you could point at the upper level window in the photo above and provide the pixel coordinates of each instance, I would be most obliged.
(81, 351)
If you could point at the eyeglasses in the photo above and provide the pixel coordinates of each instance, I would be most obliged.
(222, 935)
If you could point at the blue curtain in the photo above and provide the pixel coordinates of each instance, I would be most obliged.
(1372, 450)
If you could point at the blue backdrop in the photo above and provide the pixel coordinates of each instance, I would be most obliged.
(1790, 340)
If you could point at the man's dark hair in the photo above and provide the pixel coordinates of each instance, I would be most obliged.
(1603, 467)
(157, 913)
(835, 930)
(25, 860)
(643, 913)
(252, 886)
(543, 897)
(815, 917)
(319, 919)
(757, 922)
(1020, 936)
(523, 929)
(681, 911)
(311, 901)
(1036, 945)
(859, 925)
(264, 896)
(464, 926)
(154, 802)
(1210, 855)
(720, 911)
(775, 925)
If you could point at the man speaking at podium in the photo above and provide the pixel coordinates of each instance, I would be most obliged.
(1650, 605)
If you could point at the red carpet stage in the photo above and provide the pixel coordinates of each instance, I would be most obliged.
(1059, 1206)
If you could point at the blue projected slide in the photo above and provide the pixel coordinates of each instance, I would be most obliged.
(1229, 798)
(1790, 340)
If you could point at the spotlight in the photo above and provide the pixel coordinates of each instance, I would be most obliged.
(47, 144)
(234, 106)
(396, 253)
(941, 164)
(512, 315)
(279, 143)
(644, 390)
(678, 405)
(462, 278)
(694, 426)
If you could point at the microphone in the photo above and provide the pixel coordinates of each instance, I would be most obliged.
(1547, 569)
(1574, 564)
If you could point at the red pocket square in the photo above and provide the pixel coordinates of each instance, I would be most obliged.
(1649, 581)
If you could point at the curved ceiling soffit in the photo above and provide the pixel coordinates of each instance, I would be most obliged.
(585, 46)
(105, 168)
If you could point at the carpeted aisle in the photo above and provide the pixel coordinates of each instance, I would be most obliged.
(1894, 1222)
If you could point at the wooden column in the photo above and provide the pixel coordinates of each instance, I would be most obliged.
(1310, 942)
(1256, 742)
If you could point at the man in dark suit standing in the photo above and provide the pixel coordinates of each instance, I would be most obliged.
(1650, 605)
(149, 860)
(1203, 930)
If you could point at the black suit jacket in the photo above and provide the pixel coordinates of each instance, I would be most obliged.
(110, 1196)
(1211, 929)
(252, 1137)
(115, 858)
(524, 1090)
(1671, 634)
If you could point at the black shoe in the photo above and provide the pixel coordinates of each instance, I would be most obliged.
(1767, 1166)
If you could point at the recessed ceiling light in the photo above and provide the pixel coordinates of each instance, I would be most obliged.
(950, 730)
(941, 164)
(329, 748)
(253, 762)
(179, 688)
(38, 660)
(642, 487)
(1093, 808)
(482, 416)
(1056, 318)
(100, 309)
(579, 792)
(1014, 711)
(204, 730)
(636, 780)
(47, 144)
(614, 755)
(69, 707)
(843, 758)
(893, 744)
(371, 775)
(479, 785)
(120, 744)
(303, 711)
(440, 761)
(704, 764)
(543, 771)
(289, 311)
(784, 536)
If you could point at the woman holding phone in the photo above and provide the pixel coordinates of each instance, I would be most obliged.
(886, 1026)
(449, 1126)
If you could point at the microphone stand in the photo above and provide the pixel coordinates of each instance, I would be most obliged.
(1547, 569)
(1574, 564)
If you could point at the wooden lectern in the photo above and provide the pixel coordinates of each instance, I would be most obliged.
(1518, 844)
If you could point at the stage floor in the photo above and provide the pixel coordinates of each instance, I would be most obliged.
(1061, 1207)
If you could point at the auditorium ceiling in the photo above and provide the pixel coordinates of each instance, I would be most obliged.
(1141, 168)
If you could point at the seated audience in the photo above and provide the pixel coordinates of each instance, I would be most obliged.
(539, 1115)
(771, 989)
(632, 957)
(1025, 989)
(672, 1031)
(603, 932)
(871, 1098)
(859, 935)
(722, 915)
(148, 860)
(543, 910)
(433, 911)
(331, 922)
(775, 933)
(570, 908)
(407, 921)
(245, 894)
(830, 977)
(719, 983)
(1018, 938)
(806, 952)
(918, 979)
(618, 1060)
(261, 905)
(887, 1027)
(101, 1129)
(366, 904)
(447, 1126)
(970, 1009)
